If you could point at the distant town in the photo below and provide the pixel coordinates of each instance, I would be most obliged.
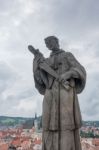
(17, 133)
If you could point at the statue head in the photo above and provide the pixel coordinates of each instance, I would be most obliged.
(52, 43)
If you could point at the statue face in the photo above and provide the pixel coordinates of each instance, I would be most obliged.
(52, 44)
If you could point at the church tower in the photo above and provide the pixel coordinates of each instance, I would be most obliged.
(36, 123)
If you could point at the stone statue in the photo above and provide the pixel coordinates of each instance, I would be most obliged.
(59, 78)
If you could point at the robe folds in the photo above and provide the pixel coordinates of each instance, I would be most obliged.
(61, 116)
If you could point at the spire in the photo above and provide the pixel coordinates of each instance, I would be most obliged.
(35, 116)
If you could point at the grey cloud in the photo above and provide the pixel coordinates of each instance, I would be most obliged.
(25, 94)
(7, 76)
(74, 22)
(89, 99)
(11, 97)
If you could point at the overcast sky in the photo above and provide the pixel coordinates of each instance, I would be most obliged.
(23, 22)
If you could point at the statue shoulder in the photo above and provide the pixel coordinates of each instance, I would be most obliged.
(71, 57)
(69, 54)
(74, 62)
(66, 53)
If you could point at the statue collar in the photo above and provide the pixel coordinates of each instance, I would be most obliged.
(56, 52)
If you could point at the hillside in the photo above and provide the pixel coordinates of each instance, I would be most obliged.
(29, 122)
(17, 121)
(12, 121)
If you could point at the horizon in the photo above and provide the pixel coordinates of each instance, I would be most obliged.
(41, 116)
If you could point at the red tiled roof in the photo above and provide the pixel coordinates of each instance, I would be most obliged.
(4, 147)
(25, 144)
(38, 141)
(97, 147)
(16, 142)
(95, 142)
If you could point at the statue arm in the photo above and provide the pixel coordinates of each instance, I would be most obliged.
(77, 68)
(40, 77)
(76, 71)
(40, 86)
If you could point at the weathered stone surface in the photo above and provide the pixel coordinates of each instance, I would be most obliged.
(59, 78)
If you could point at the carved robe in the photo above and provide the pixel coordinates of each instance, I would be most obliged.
(61, 117)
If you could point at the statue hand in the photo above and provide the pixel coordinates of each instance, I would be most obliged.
(35, 52)
(64, 77)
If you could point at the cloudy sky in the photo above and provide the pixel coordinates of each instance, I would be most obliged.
(23, 22)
